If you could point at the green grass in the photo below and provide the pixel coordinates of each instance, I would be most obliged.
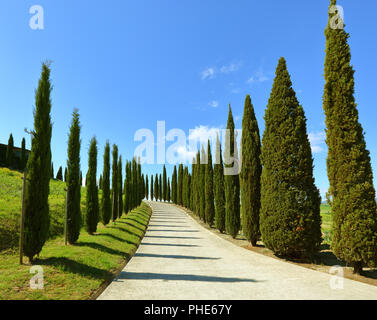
(11, 202)
(326, 222)
(76, 272)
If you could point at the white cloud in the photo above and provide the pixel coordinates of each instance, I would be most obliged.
(208, 73)
(214, 104)
(259, 76)
(317, 141)
(230, 68)
(203, 133)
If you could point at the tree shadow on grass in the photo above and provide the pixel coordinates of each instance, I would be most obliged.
(116, 238)
(132, 225)
(126, 231)
(173, 256)
(75, 267)
(102, 248)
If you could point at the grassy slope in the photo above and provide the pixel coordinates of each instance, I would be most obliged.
(78, 271)
(10, 207)
(326, 222)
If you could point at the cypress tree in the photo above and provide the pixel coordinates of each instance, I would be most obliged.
(197, 185)
(209, 204)
(92, 205)
(106, 199)
(174, 185)
(160, 188)
(168, 195)
(100, 182)
(219, 189)
(126, 189)
(120, 187)
(37, 219)
(156, 188)
(10, 152)
(180, 185)
(23, 155)
(351, 194)
(74, 219)
(135, 184)
(152, 194)
(114, 182)
(80, 179)
(184, 186)
(65, 174)
(231, 181)
(250, 174)
(141, 183)
(59, 175)
(164, 185)
(290, 220)
(202, 184)
(146, 188)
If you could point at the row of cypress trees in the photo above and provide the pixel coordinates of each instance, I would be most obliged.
(39, 170)
(280, 203)
(10, 160)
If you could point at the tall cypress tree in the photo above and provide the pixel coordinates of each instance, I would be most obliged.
(209, 204)
(37, 219)
(126, 189)
(290, 220)
(180, 185)
(100, 182)
(120, 187)
(174, 185)
(219, 189)
(250, 174)
(351, 194)
(197, 185)
(106, 198)
(152, 194)
(59, 175)
(156, 188)
(232, 184)
(23, 155)
(10, 152)
(160, 188)
(92, 205)
(146, 188)
(202, 184)
(74, 219)
(164, 184)
(168, 194)
(114, 183)
(65, 174)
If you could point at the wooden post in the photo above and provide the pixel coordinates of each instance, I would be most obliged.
(22, 219)
(66, 218)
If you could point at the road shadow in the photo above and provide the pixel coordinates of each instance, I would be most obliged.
(179, 277)
(168, 237)
(173, 256)
(166, 225)
(72, 266)
(169, 244)
(168, 230)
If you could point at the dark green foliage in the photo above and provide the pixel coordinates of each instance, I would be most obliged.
(290, 220)
(152, 185)
(146, 188)
(114, 182)
(100, 182)
(160, 188)
(164, 184)
(209, 198)
(37, 220)
(156, 187)
(23, 155)
(174, 185)
(10, 152)
(80, 180)
(196, 184)
(106, 198)
(59, 175)
(120, 187)
(92, 205)
(180, 185)
(74, 219)
(65, 174)
(168, 194)
(231, 181)
(352, 194)
(219, 189)
(250, 174)
(202, 183)
(127, 189)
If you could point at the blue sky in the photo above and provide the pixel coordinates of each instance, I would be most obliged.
(127, 64)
